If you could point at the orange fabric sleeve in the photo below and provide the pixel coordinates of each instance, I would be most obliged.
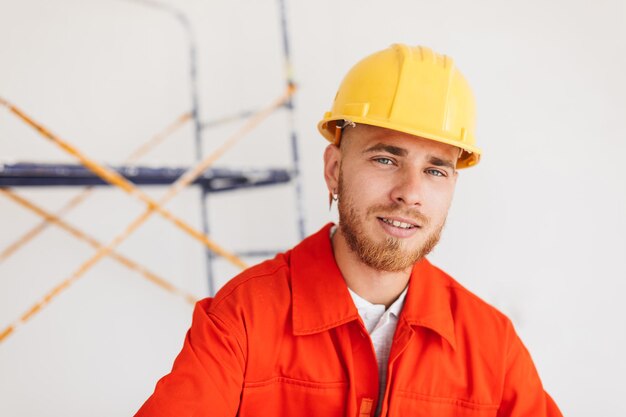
(207, 375)
(523, 394)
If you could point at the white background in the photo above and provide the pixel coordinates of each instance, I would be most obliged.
(537, 229)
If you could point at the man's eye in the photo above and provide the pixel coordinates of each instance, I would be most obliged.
(384, 161)
(436, 172)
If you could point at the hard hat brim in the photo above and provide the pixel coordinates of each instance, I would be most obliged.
(470, 157)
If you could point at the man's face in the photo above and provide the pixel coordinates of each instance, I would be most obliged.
(394, 193)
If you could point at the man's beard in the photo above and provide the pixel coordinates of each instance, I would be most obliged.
(387, 255)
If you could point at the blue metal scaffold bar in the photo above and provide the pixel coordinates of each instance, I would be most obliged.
(212, 180)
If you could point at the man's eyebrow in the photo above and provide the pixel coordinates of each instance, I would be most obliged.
(441, 162)
(394, 150)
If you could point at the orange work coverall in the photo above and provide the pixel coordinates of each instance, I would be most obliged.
(285, 339)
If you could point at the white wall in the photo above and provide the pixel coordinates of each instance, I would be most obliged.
(537, 229)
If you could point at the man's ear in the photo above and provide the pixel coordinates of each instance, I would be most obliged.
(332, 161)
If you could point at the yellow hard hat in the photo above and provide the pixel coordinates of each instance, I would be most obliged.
(408, 89)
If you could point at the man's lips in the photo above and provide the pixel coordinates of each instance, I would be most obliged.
(400, 222)
(394, 227)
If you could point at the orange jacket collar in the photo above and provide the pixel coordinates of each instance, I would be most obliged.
(321, 300)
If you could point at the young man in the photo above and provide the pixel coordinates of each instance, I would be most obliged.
(354, 321)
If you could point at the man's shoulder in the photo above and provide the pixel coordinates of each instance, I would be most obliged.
(467, 308)
(268, 279)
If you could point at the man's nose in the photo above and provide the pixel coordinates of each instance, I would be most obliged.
(408, 189)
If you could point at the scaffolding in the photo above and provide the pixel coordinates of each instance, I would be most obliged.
(90, 175)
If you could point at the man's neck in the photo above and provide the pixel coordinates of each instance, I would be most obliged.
(377, 287)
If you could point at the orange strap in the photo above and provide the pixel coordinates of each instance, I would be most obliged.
(338, 132)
